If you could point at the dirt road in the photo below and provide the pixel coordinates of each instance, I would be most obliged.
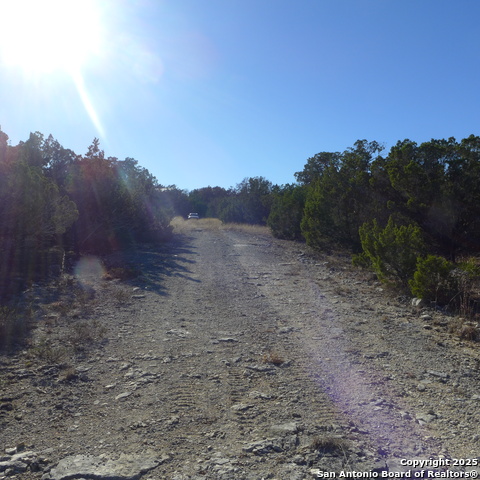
(238, 356)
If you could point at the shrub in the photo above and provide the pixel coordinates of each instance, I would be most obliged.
(361, 260)
(47, 351)
(317, 225)
(434, 280)
(14, 323)
(392, 251)
(286, 213)
(85, 334)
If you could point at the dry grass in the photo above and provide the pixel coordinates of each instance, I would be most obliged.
(273, 358)
(49, 352)
(62, 307)
(86, 333)
(464, 329)
(69, 374)
(329, 444)
(180, 225)
(121, 273)
(122, 296)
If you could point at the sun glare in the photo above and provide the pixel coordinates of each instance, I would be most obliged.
(45, 36)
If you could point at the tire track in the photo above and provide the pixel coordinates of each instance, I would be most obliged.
(324, 346)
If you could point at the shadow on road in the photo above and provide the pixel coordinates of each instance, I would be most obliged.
(154, 261)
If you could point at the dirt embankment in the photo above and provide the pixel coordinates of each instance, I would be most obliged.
(233, 356)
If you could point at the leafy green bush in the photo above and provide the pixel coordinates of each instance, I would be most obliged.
(392, 251)
(434, 280)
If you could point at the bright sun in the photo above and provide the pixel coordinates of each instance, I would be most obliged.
(43, 36)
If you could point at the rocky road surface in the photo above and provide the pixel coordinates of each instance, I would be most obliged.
(236, 356)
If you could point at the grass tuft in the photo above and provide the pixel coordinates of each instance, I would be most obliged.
(84, 334)
(329, 444)
(48, 352)
(273, 358)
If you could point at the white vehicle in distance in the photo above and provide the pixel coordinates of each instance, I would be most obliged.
(193, 215)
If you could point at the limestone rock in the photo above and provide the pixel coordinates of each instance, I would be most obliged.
(127, 467)
(19, 462)
(285, 428)
(418, 303)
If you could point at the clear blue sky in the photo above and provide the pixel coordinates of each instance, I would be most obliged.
(208, 92)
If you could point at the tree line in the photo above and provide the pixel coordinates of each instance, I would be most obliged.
(54, 201)
(417, 203)
(434, 186)
(408, 214)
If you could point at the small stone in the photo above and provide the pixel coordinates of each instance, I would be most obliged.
(221, 461)
(241, 407)
(123, 396)
(262, 447)
(438, 374)
(418, 302)
(20, 447)
(260, 368)
(285, 428)
(423, 418)
(178, 332)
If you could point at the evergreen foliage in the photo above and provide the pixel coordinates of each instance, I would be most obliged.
(339, 198)
(53, 201)
(250, 202)
(287, 212)
(207, 201)
(393, 250)
(415, 200)
(432, 188)
(434, 280)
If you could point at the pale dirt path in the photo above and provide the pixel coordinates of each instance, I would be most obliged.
(245, 358)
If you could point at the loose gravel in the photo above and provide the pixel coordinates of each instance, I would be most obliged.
(234, 355)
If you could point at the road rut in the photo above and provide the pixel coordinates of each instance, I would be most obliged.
(241, 356)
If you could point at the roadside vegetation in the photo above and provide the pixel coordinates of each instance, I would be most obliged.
(411, 215)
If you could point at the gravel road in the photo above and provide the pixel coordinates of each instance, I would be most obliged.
(236, 356)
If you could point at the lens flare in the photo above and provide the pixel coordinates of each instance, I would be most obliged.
(88, 270)
(87, 103)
